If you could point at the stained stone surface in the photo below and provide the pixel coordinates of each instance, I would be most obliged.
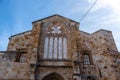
(60, 57)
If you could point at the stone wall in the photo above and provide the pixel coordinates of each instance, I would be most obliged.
(115, 60)
(66, 73)
(70, 29)
(101, 46)
(103, 42)
(14, 70)
(1, 55)
(24, 41)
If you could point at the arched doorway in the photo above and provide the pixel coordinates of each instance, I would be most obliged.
(53, 76)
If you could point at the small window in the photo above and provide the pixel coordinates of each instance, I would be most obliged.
(21, 55)
(86, 59)
(77, 71)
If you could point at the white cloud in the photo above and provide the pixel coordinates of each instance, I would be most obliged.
(113, 4)
(99, 4)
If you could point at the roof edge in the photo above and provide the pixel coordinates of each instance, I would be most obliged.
(101, 30)
(20, 33)
(52, 16)
(85, 32)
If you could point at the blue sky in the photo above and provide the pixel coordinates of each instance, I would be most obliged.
(16, 15)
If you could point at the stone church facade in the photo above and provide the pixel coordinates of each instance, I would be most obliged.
(55, 49)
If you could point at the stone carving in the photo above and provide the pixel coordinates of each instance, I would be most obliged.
(56, 29)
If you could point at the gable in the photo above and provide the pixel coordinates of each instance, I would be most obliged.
(56, 15)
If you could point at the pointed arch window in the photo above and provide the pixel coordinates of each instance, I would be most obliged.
(21, 55)
(55, 45)
(86, 59)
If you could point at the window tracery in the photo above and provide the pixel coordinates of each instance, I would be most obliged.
(55, 45)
